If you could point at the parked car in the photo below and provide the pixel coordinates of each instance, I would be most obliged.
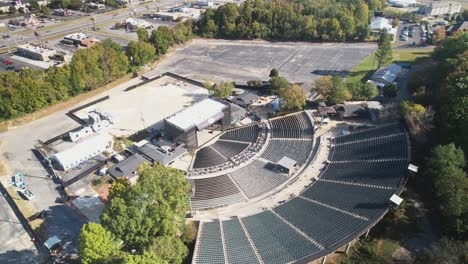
(7, 62)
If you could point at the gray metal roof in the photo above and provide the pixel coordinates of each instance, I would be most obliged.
(127, 167)
(157, 154)
(287, 163)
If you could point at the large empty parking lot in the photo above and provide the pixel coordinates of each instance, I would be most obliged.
(252, 60)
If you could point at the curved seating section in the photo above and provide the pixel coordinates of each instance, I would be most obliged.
(212, 250)
(297, 150)
(350, 196)
(208, 157)
(385, 173)
(239, 145)
(229, 149)
(238, 247)
(258, 178)
(215, 192)
(390, 129)
(391, 147)
(292, 126)
(247, 134)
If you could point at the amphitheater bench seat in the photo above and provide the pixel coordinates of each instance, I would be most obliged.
(208, 157)
(247, 134)
(214, 192)
(275, 240)
(258, 178)
(210, 244)
(368, 202)
(238, 247)
(325, 225)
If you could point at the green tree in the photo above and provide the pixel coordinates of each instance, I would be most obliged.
(33, 5)
(418, 118)
(338, 93)
(140, 53)
(384, 54)
(161, 39)
(12, 10)
(395, 22)
(274, 73)
(222, 90)
(294, 97)
(277, 84)
(142, 34)
(96, 244)
(323, 86)
(390, 91)
(450, 184)
(46, 10)
(362, 91)
(444, 251)
(147, 257)
(155, 206)
(170, 249)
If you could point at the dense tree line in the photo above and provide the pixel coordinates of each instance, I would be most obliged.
(30, 90)
(333, 20)
(142, 223)
(446, 170)
(451, 92)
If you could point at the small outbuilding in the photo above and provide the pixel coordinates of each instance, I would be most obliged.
(286, 165)
(245, 99)
(127, 167)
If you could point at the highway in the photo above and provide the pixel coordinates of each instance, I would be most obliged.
(79, 24)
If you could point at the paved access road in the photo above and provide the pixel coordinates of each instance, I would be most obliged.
(15, 242)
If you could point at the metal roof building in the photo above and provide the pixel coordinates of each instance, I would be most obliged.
(83, 151)
(183, 125)
(127, 167)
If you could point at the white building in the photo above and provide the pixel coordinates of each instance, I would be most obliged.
(380, 23)
(135, 23)
(83, 151)
(402, 3)
(441, 9)
(36, 52)
(204, 3)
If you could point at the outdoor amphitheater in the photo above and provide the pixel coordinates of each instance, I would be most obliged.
(285, 190)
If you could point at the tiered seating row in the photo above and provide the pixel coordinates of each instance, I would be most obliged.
(208, 157)
(364, 201)
(298, 150)
(384, 173)
(324, 225)
(229, 149)
(371, 133)
(258, 178)
(276, 241)
(247, 134)
(292, 126)
(393, 147)
(210, 245)
(214, 187)
(238, 247)
(215, 192)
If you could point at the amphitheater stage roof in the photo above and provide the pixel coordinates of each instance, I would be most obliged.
(200, 115)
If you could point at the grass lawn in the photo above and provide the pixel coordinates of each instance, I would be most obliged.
(364, 69)
(367, 67)
(411, 55)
